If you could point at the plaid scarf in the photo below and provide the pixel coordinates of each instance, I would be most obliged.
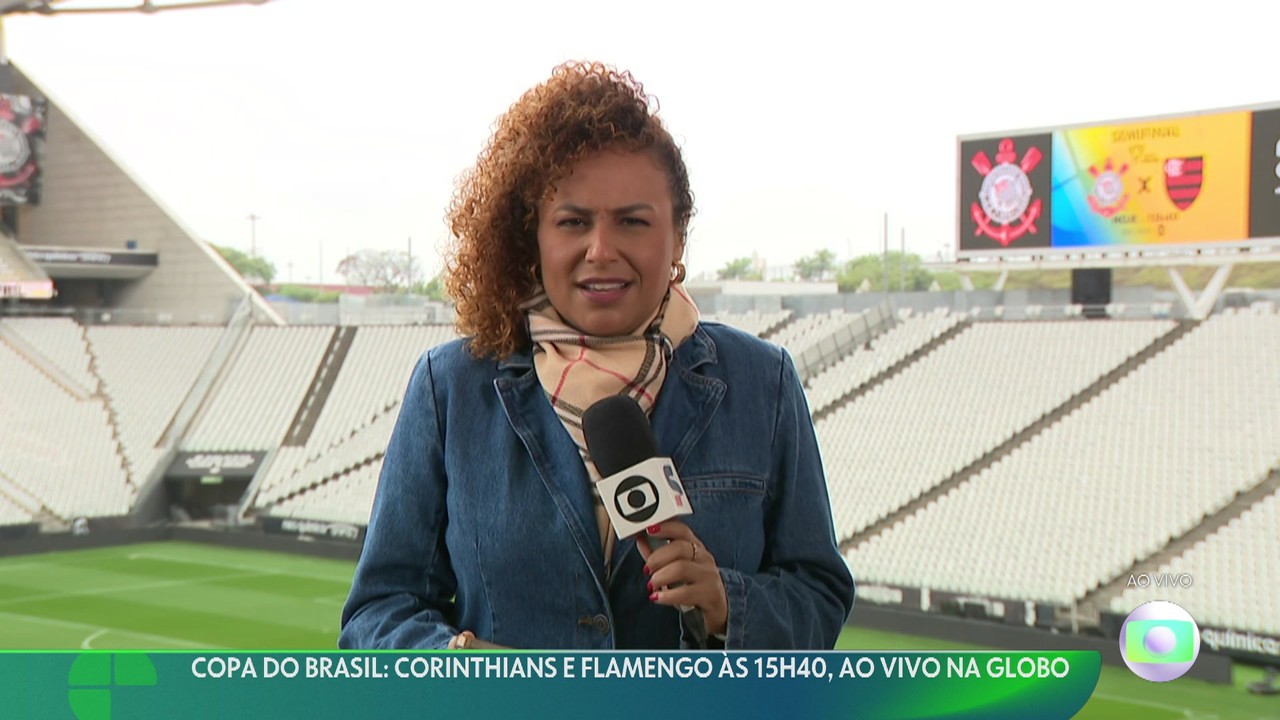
(576, 370)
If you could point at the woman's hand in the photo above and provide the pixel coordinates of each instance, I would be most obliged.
(467, 640)
(685, 562)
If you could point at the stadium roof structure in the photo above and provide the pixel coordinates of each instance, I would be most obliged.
(1197, 306)
(68, 7)
(107, 239)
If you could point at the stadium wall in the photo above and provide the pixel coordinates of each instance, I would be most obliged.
(113, 533)
(17, 532)
(1013, 301)
(90, 200)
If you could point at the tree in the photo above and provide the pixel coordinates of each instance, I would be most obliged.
(307, 294)
(816, 267)
(433, 289)
(253, 268)
(871, 269)
(383, 270)
(738, 269)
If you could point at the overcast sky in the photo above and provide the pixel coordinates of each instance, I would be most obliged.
(344, 124)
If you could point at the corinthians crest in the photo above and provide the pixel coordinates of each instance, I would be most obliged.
(1108, 196)
(1005, 209)
(21, 140)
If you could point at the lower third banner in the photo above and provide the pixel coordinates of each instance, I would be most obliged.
(100, 685)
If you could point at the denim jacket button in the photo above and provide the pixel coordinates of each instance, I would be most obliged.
(602, 624)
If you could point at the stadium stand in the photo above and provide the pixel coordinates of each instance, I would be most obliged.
(28, 505)
(963, 456)
(800, 334)
(913, 333)
(58, 448)
(1140, 464)
(11, 514)
(1234, 574)
(145, 386)
(60, 340)
(815, 342)
(372, 380)
(957, 403)
(252, 407)
(757, 323)
(348, 498)
(364, 446)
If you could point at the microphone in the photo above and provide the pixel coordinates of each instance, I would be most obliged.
(638, 488)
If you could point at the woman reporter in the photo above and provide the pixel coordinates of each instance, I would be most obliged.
(566, 272)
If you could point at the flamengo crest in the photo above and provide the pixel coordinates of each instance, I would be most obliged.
(1182, 180)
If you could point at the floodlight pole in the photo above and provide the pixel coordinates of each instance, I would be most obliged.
(885, 261)
(902, 264)
(253, 234)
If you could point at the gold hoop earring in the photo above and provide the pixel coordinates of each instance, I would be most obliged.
(677, 272)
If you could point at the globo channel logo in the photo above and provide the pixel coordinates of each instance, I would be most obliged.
(93, 677)
(1159, 641)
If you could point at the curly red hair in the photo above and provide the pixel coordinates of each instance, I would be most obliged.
(491, 266)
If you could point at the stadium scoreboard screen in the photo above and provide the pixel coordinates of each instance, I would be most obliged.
(1186, 182)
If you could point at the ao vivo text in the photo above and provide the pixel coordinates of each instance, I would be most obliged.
(1160, 580)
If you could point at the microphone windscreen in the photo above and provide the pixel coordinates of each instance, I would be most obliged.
(618, 434)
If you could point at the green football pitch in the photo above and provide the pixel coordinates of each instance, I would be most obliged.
(187, 596)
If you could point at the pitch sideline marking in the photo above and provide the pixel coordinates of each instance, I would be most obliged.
(1133, 701)
(88, 642)
(173, 641)
(235, 566)
(133, 588)
(22, 566)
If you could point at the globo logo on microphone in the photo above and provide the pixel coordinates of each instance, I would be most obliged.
(642, 495)
(636, 498)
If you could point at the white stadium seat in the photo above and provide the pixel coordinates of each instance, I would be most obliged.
(1069, 510)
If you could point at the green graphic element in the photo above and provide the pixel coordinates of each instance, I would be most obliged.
(1178, 645)
(94, 669)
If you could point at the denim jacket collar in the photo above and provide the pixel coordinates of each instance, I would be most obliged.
(686, 405)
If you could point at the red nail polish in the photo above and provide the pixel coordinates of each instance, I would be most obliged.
(646, 569)
(650, 586)
(653, 597)
(654, 528)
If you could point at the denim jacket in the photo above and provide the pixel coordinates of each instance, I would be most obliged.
(483, 518)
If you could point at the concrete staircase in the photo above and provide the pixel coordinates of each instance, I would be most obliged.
(304, 421)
